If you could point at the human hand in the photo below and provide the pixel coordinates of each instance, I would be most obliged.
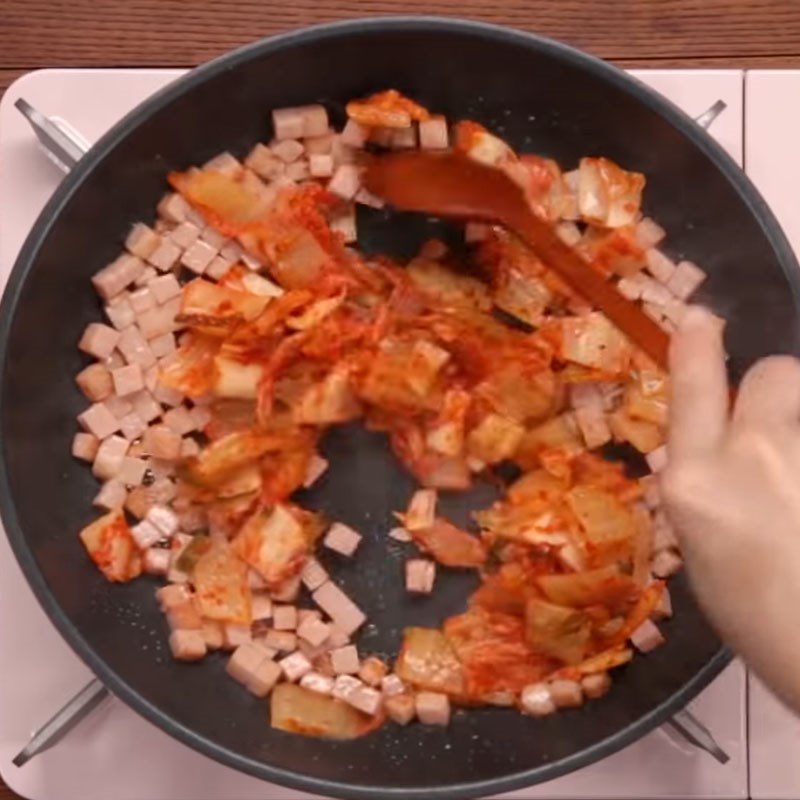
(732, 491)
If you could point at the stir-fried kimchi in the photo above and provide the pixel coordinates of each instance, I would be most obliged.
(245, 323)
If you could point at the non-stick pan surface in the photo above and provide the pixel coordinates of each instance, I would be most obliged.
(542, 97)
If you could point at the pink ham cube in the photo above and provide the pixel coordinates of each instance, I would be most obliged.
(339, 607)
(647, 637)
(294, 666)
(392, 685)
(165, 256)
(313, 574)
(141, 300)
(98, 421)
(265, 678)
(566, 694)
(420, 575)
(346, 181)
(320, 165)
(155, 561)
(264, 163)
(95, 382)
(401, 708)
(287, 123)
(595, 685)
(162, 442)
(163, 345)
(284, 618)
(164, 519)
(198, 257)
(164, 288)
(316, 682)
(244, 662)
(288, 150)
(128, 379)
(135, 349)
(433, 134)
(112, 495)
(179, 419)
(666, 563)
(353, 134)
(342, 539)
(283, 641)
(117, 276)
(345, 660)
(173, 208)
(314, 631)
(120, 312)
(185, 235)
(99, 340)
(187, 645)
(433, 708)
(142, 240)
(108, 461)
(372, 671)
(145, 406)
(685, 280)
(537, 701)
(84, 446)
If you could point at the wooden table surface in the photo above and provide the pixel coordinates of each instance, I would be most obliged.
(152, 33)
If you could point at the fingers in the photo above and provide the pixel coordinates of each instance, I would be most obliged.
(769, 393)
(699, 405)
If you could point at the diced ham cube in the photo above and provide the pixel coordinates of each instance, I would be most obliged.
(433, 134)
(201, 416)
(166, 394)
(342, 539)
(84, 446)
(647, 637)
(179, 419)
(173, 208)
(244, 662)
(158, 321)
(135, 348)
(685, 280)
(346, 181)
(420, 575)
(344, 686)
(657, 459)
(162, 442)
(187, 645)
(266, 676)
(145, 534)
(400, 535)
(110, 454)
(170, 596)
(264, 163)
(261, 607)
(536, 700)
(112, 495)
(118, 406)
(288, 123)
(142, 240)
(659, 266)
(338, 637)
(163, 345)
(120, 312)
(283, 641)
(164, 287)
(127, 379)
(666, 563)
(345, 225)
(314, 631)
(294, 666)
(155, 561)
(353, 134)
(211, 236)
(132, 471)
(99, 340)
(298, 170)
(566, 694)
(320, 165)
(664, 608)
(632, 286)
(198, 257)
(98, 421)
(284, 618)
(213, 633)
(401, 708)
(184, 617)
(366, 198)
(95, 382)
(339, 607)
(164, 519)
(656, 294)
(433, 708)
(403, 138)
(392, 685)
(288, 591)
(145, 406)
(421, 511)
(147, 275)
(142, 300)
(316, 682)
(345, 660)
(365, 699)
(117, 276)
(317, 466)
(648, 233)
(185, 235)
(225, 164)
(288, 150)
(165, 256)
(372, 671)
(217, 268)
(234, 635)
(596, 685)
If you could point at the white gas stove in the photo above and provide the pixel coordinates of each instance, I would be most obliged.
(115, 753)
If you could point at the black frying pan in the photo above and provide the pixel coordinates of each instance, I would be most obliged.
(542, 97)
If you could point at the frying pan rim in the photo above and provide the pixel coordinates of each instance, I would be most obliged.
(49, 217)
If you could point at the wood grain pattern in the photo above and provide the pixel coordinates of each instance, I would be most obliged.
(633, 33)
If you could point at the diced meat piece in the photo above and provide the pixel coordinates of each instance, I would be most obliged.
(353, 134)
(185, 617)
(294, 666)
(164, 288)
(344, 686)
(162, 442)
(288, 123)
(288, 591)
(120, 312)
(210, 235)
(187, 645)
(298, 170)
(365, 699)
(685, 280)
(664, 608)
(366, 198)
(338, 637)
(148, 273)
(128, 379)
(201, 416)
(566, 694)
(165, 256)
(284, 618)
(569, 233)
(155, 561)
(132, 426)
(109, 457)
(117, 276)
(656, 294)
(666, 563)
(225, 164)
(346, 181)
(118, 406)
(145, 534)
(342, 539)
(145, 406)
(433, 708)
(596, 685)
(244, 662)
(403, 138)
(593, 426)
(421, 511)
(179, 419)
(400, 535)
(657, 459)
(234, 635)
(313, 574)
(339, 607)
(112, 495)
(304, 614)
(345, 660)
(265, 678)
(320, 165)
(142, 300)
(315, 120)
(198, 257)
(217, 268)
(163, 518)
(135, 348)
(317, 467)
(99, 340)
(316, 682)
(647, 637)
(84, 446)
(95, 382)
(142, 240)
(372, 671)
(537, 701)
(132, 471)
(264, 163)
(159, 467)
(648, 233)
(288, 150)
(420, 575)
(173, 208)
(159, 320)
(313, 631)
(345, 225)
(401, 708)
(319, 145)
(213, 634)
(283, 641)
(261, 607)
(433, 134)
(392, 685)
(172, 595)
(185, 235)
(632, 286)
(166, 394)
(163, 345)
(659, 266)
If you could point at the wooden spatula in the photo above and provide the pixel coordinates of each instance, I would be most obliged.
(453, 185)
